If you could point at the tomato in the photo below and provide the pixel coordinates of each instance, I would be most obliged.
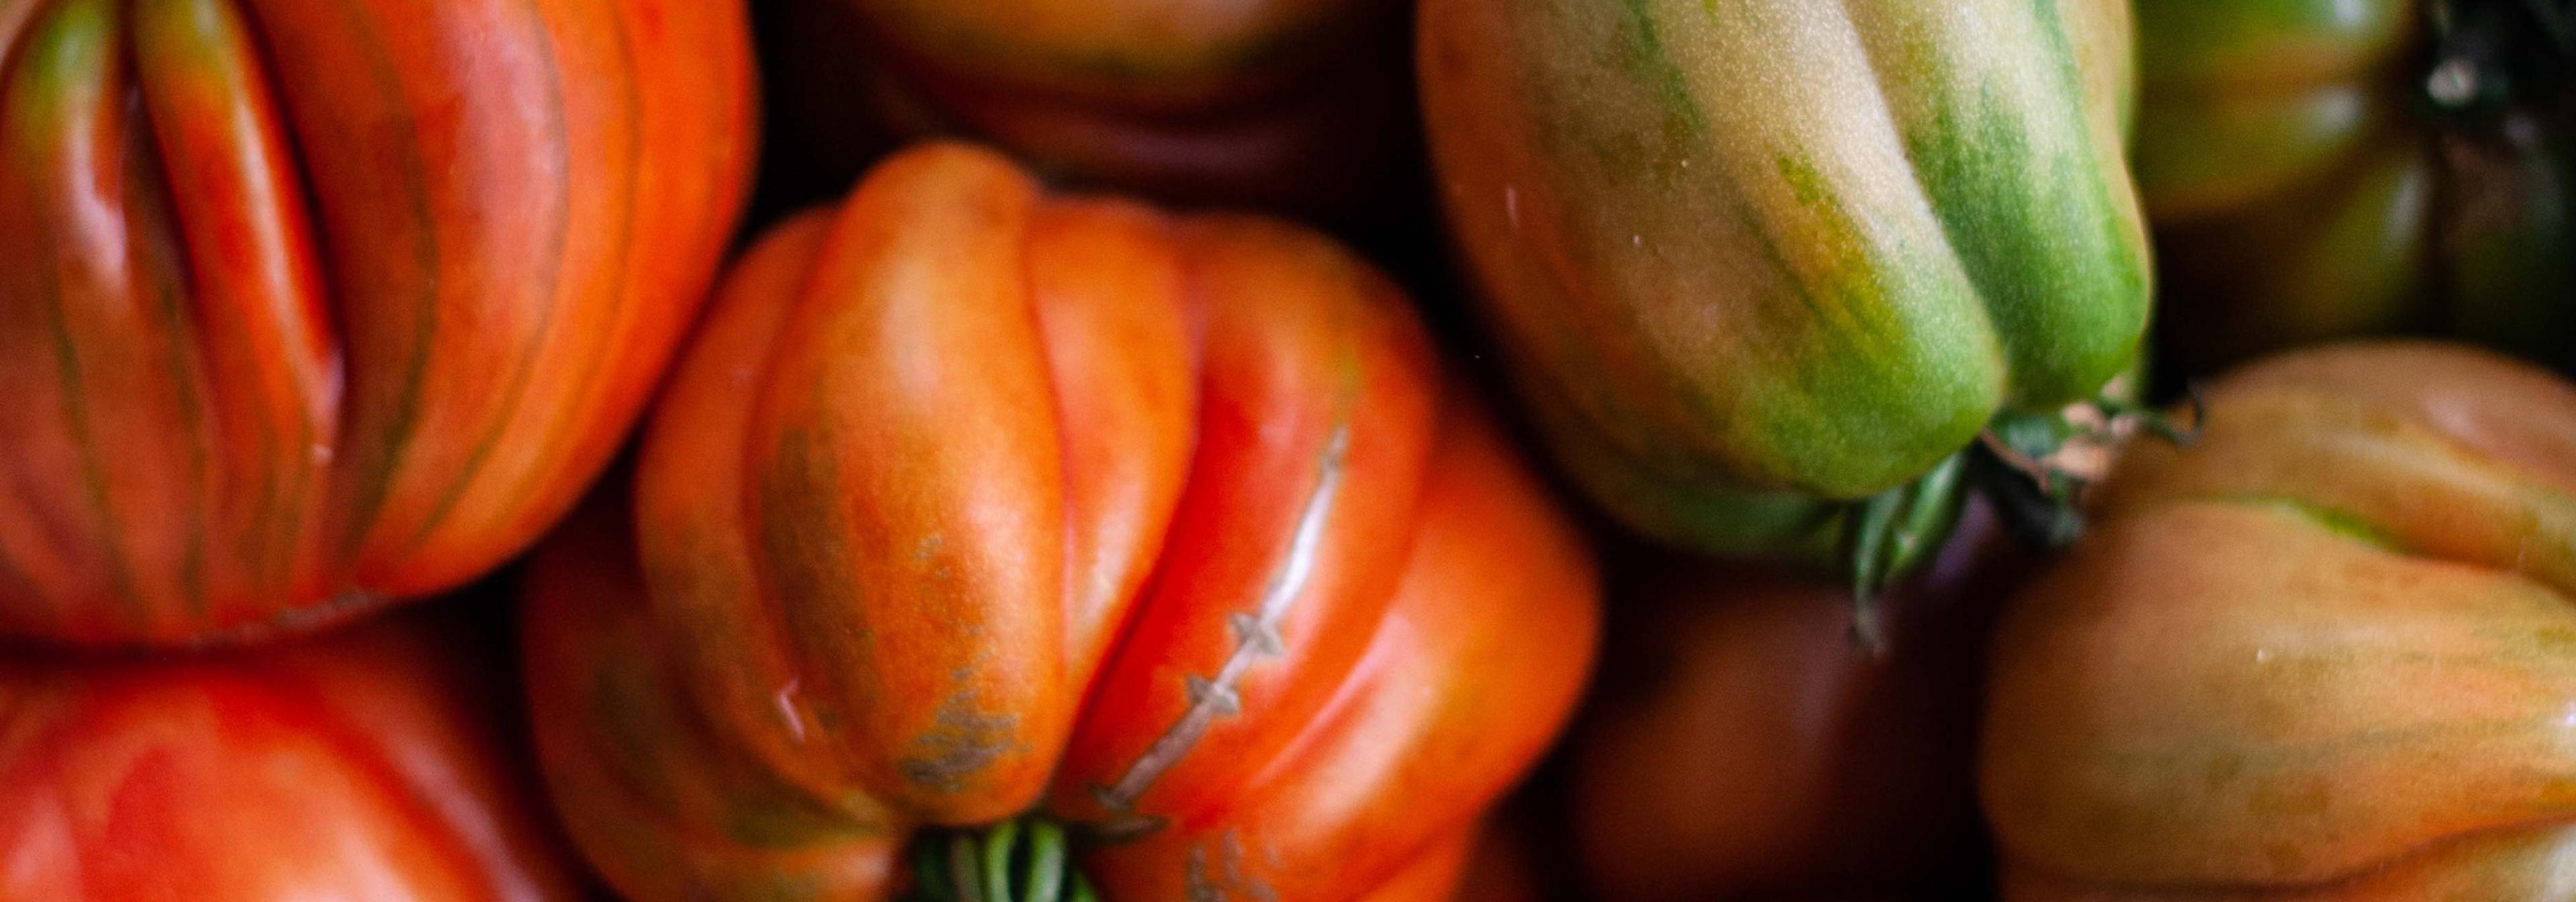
(1740, 747)
(2321, 653)
(1499, 867)
(310, 305)
(363, 765)
(972, 501)
(2304, 185)
(1753, 262)
(1298, 104)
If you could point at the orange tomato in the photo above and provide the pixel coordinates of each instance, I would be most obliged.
(973, 500)
(2322, 653)
(313, 304)
(364, 765)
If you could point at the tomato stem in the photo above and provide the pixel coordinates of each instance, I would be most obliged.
(2030, 466)
(1888, 534)
(2035, 466)
(1024, 859)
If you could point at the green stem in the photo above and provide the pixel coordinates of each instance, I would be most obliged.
(1024, 859)
(1892, 532)
(1887, 535)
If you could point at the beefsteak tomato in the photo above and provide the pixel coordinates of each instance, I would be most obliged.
(363, 765)
(313, 304)
(2324, 168)
(972, 501)
(1753, 262)
(2323, 653)
(1297, 104)
(1739, 748)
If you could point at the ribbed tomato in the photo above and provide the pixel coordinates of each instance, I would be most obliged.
(365, 765)
(1297, 104)
(2325, 168)
(1739, 747)
(973, 501)
(2327, 652)
(1755, 262)
(311, 304)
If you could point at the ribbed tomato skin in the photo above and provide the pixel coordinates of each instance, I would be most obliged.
(2321, 653)
(1750, 261)
(974, 500)
(314, 305)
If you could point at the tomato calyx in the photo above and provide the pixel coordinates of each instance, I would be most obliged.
(1887, 534)
(2031, 467)
(1024, 859)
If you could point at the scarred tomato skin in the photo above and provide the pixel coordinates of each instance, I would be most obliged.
(973, 500)
(369, 765)
(2319, 653)
(311, 305)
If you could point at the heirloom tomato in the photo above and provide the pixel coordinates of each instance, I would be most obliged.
(978, 508)
(306, 305)
(2326, 652)
(380, 764)
(2320, 168)
(1739, 747)
(1754, 262)
(1297, 104)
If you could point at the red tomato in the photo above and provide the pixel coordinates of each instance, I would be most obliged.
(973, 501)
(362, 766)
(1742, 747)
(311, 304)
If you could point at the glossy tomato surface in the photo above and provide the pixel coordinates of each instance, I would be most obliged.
(2321, 653)
(973, 500)
(313, 304)
(380, 764)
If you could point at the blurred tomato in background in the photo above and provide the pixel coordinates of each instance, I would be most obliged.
(1298, 106)
(382, 763)
(1741, 746)
(2319, 169)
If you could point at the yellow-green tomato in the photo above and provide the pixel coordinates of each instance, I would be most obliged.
(1751, 261)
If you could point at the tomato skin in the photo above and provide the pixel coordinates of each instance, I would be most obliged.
(313, 305)
(973, 500)
(1301, 105)
(2316, 654)
(2302, 188)
(1741, 747)
(364, 765)
(1752, 261)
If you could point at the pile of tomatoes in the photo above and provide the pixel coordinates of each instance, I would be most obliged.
(1287, 450)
